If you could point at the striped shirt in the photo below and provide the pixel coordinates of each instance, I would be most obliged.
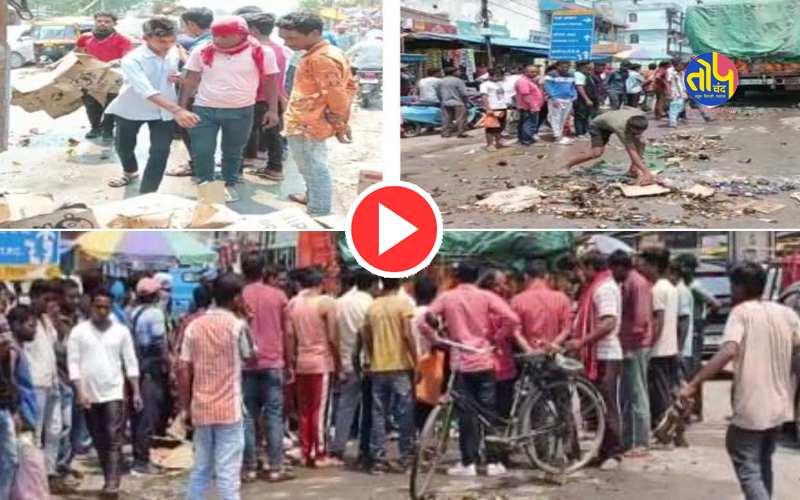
(214, 345)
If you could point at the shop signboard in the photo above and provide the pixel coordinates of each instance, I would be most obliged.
(475, 29)
(28, 255)
(571, 35)
(429, 27)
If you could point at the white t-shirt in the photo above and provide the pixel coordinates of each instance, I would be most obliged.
(608, 302)
(686, 308)
(428, 89)
(763, 385)
(580, 78)
(510, 88)
(231, 82)
(496, 94)
(101, 360)
(665, 298)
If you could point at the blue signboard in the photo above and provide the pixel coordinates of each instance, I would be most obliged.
(572, 35)
(28, 254)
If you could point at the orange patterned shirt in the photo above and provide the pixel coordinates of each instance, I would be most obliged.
(211, 345)
(323, 81)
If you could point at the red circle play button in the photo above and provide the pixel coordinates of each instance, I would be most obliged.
(394, 230)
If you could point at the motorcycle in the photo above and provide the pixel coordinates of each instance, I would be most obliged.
(420, 118)
(370, 86)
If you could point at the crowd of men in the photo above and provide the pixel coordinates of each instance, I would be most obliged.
(522, 100)
(229, 77)
(263, 353)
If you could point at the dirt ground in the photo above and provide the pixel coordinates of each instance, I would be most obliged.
(49, 156)
(702, 471)
(749, 158)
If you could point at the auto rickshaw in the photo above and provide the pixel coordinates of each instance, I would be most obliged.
(54, 39)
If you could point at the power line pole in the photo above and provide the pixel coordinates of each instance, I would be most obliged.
(5, 75)
(486, 28)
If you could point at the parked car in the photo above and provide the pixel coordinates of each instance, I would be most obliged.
(19, 38)
(713, 277)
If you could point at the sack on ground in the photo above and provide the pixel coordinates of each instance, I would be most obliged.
(30, 482)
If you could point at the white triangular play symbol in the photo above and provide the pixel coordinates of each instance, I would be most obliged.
(392, 229)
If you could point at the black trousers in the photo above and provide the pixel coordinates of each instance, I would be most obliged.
(583, 115)
(481, 387)
(608, 382)
(265, 140)
(663, 377)
(154, 388)
(160, 144)
(106, 422)
(95, 111)
(633, 99)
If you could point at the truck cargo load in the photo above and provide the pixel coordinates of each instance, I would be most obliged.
(762, 38)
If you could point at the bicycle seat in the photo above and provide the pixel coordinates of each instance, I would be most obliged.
(567, 365)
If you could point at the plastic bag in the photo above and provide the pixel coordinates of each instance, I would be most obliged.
(30, 482)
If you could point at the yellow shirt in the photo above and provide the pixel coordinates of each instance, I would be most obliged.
(323, 81)
(385, 318)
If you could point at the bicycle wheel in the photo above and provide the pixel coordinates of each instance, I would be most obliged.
(431, 451)
(567, 422)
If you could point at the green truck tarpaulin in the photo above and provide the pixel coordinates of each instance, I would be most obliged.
(503, 248)
(746, 30)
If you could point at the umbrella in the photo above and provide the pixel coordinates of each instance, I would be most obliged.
(636, 53)
(607, 245)
(145, 246)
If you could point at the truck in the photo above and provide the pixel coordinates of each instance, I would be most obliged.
(761, 37)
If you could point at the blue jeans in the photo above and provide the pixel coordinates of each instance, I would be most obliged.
(636, 400)
(385, 386)
(528, 121)
(751, 454)
(218, 451)
(311, 157)
(347, 408)
(263, 393)
(235, 125)
(8, 454)
(48, 428)
(675, 108)
(65, 450)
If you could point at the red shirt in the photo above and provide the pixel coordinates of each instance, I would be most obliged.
(472, 317)
(280, 59)
(266, 306)
(545, 313)
(636, 327)
(107, 49)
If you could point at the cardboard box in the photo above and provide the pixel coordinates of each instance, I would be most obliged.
(70, 218)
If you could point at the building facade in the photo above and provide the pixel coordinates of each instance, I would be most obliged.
(655, 26)
(510, 18)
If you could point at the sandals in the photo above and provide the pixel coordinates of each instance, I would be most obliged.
(299, 198)
(279, 477)
(122, 180)
(181, 171)
(268, 174)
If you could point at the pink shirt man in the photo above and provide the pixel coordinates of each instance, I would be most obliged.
(469, 314)
(267, 308)
(529, 95)
(232, 81)
(545, 313)
(314, 354)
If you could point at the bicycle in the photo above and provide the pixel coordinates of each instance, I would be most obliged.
(557, 419)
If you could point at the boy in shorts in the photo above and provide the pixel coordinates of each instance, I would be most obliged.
(494, 104)
(628, 124)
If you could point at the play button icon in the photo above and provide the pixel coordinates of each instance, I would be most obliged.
(394, 229)
(400, 229)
